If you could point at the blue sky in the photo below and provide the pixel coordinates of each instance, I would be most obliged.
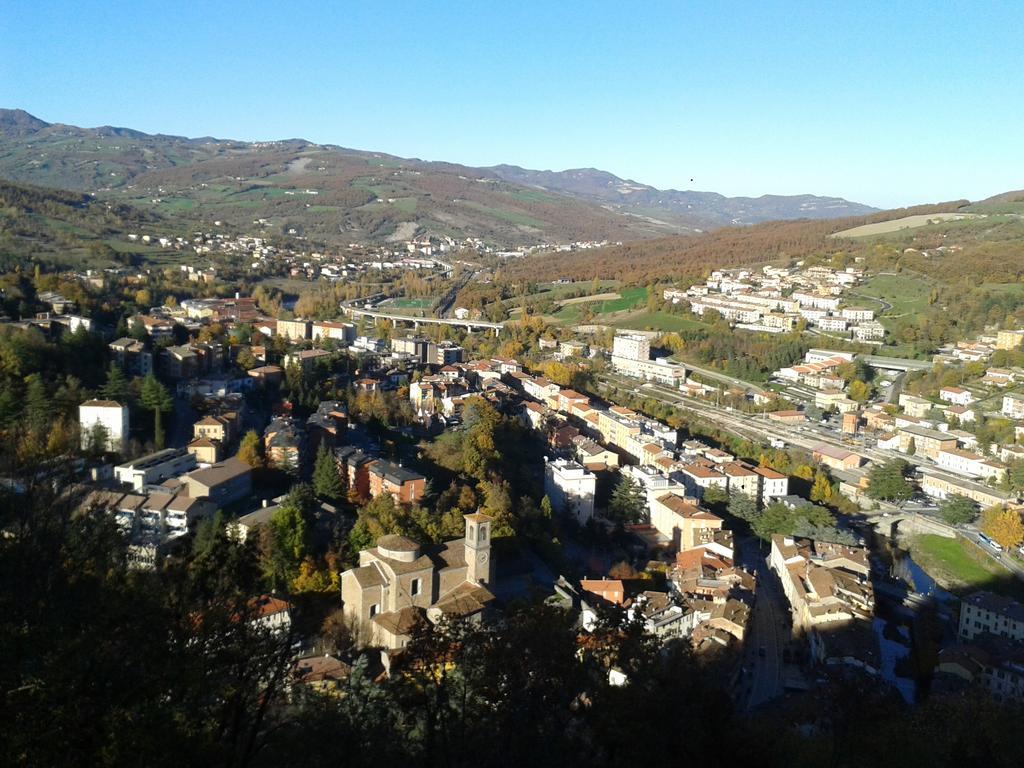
(886, 103)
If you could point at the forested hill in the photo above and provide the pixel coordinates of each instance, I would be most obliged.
(674, 257)
(37, 222)
(338, 195)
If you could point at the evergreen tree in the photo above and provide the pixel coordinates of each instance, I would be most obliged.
(156, 398)
(627, 504)
(742, 506)
(117, 387)
(957, 510)
(326, 480)
(38, 408)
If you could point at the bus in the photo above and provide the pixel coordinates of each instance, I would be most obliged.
(988, 542)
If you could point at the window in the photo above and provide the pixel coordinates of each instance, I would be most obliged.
(374, 609)
(416, 587)
(482, 534)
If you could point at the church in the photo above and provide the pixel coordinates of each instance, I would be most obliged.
(399, 582)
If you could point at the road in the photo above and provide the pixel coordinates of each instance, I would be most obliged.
(769, 628)
(718, 376)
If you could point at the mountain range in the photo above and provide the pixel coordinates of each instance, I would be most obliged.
(336, 195)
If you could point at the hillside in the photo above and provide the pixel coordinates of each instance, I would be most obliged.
(672, 258)
(338, 195)
(59, 226)
(708, 210)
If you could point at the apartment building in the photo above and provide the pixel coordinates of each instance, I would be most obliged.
(570, 486)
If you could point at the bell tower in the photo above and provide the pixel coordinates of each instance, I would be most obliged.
(479, 566)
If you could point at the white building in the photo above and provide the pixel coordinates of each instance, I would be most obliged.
(155, 468)
(108, 414)
(570, 484)
(632, 346)
(956, 395)
(1013, 406)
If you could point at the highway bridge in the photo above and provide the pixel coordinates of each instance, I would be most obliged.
(896, 363)
(472, 325)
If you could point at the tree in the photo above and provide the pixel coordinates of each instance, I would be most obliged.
(326, 479)
(859, 390)
(742, 506)
(97, 440)
(249, 449)
(1003, 526)
(715, 495)
(821, 490)
(628, 504)
(116, 387)
(957, 510)
(38, 408)
(912, 447)
(889, 482)
(156, 398)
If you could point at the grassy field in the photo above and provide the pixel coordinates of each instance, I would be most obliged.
(907, 222)
(905, 296)
(658, 321)
(628, 298)
(959, 566)
(410, 303)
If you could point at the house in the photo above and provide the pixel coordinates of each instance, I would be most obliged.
(267, 374)
(742, 479)
(570, 486)
(967, 463)
(956, 395)
(283, 444)
(609, 590)
(404, 485)
(399, 583)
(998, 377)
(271, 613)
(213, 428)
(205, 450)
(223, 483)
(344, 332)
(837, 458)
(593, 455)
(105, 422)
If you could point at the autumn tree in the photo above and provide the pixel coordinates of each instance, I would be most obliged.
(249, 449)
(1003, 526)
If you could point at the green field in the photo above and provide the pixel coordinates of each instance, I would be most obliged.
(628, 299)
(907, 296)
(407, 303)
(659, 321)
(959, 566)
(898, 225)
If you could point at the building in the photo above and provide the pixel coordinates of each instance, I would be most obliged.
(105, 421)
(1009, 339)
(213, 428)
(399, 583)
(132, 356)
(155, 468)
(570, 486)
(223, 483)
(413, 346)
(773, 485)
(685, 524)
(824, 583)
(631, 346)
(988, 613)
(924, 441)
(205, 450)
(956, 395)
(404, 485)
(305, 359)
(837, 458)
(1013, 406)
(297, 330)
(941, 486)
(344, 332)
